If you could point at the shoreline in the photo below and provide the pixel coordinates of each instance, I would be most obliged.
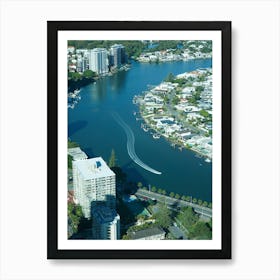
(174, 60)
(77, 84)
(189, 127)
(171, 141)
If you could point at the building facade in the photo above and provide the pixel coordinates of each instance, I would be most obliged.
(93, 181)
(98, 61)
(105, 223)
(117, 55)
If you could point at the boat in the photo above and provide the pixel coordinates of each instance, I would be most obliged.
(207, 160)
(156, 136)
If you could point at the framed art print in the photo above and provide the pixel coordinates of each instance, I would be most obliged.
(139, 140)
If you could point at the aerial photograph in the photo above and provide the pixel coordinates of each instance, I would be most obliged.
(139, 139)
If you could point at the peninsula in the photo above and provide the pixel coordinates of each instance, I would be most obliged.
(180, 109)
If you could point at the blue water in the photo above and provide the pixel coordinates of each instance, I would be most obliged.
(92, 124)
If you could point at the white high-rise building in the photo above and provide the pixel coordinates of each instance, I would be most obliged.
(94, 182)
(98, 60)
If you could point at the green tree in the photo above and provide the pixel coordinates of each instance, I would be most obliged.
(72, 144)
(74, 76)
(199, 89)
(165, 99)
(180, 81)
(139, 185)
(205, 203)
(153, 189)
(188, 217)
(177, 196)
(210, 204)
(170, 78)
(204, 113)
(183, 197)
(163, 192)
(88, 74)
(172, 194)
(199, 202)
(75, 214)
(163, 217)
(159, 190)
(78, 211)
(192, 100)
(112, 160)
(196, 96)
(188, 198)
(194, 200)
(70, 158)
(175, 100)
(201, 230)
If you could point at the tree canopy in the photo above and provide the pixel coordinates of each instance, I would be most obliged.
(170, 78)
(201, 230)
(188, 217)
(88, 74)
(163, 217)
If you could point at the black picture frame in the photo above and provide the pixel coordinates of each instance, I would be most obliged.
(53, 27)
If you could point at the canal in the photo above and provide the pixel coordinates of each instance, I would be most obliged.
(92, 124)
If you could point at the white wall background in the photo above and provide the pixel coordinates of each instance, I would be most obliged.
(256, 143)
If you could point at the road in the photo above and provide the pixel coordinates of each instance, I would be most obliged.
(204, 211)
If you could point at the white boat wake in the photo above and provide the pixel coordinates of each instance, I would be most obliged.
(130, 144)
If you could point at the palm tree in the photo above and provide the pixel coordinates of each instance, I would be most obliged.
(177, 196)
(199, 202)
(159, 190)
(153, 189)
(139, 185)
(205, 203)
(194, 200)
(172, 194)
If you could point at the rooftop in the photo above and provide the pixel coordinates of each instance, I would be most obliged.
(147, 232)
(77, 153)
(104, 214)
(93, 168)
